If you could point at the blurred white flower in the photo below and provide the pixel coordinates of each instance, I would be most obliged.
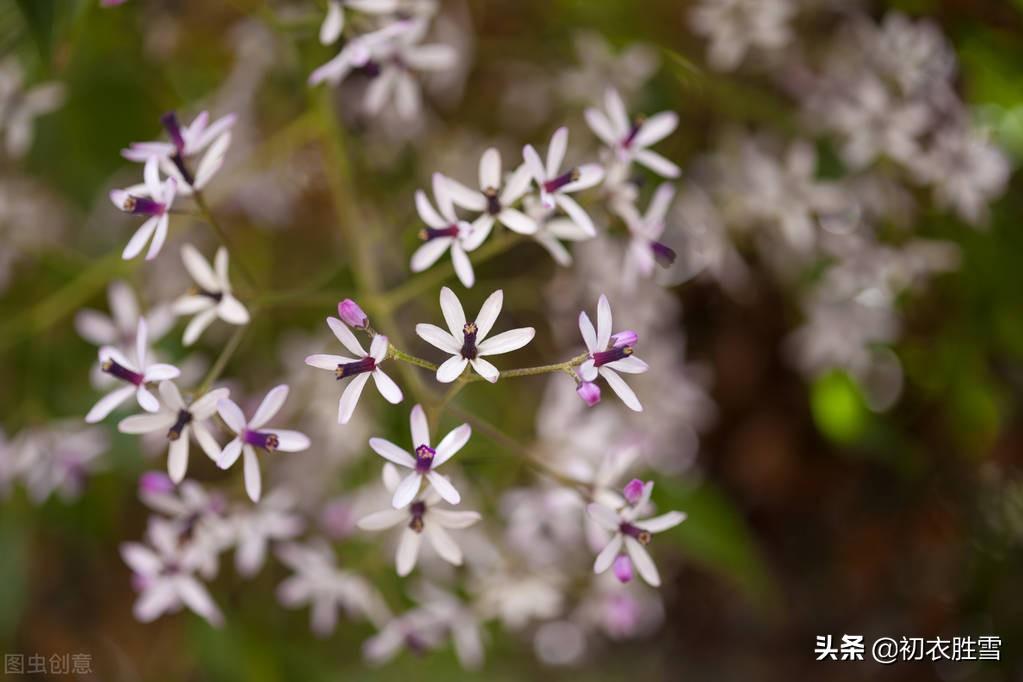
(362, 368)
(735, 27)
(459, 618)
(628, 141)
(20, 106)
(645, 251)
(334, 22)
(120, 327)
(56, 458)
(136, 373)
(426, 459)
(187, 141)
(213, 297)
(422, 517)
(467, 341)
(251, 435)
(153, 199)
(273, 519)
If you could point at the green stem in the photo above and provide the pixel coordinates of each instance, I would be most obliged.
(221, 362)
(207, 215)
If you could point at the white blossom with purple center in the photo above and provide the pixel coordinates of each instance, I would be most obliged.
(630, 534)
(334, 22)
(422, 517)
(179, 420)
(556, 186)
(357, 52)
(645, 251)
(610, 354)
(212, 297)
(251, 434)
(467, 341)
(628, 139)
(444, 231)
(187, 141)
(361, 367)
(135, 373)
(426, 460)
(494, 199)
(152, 199)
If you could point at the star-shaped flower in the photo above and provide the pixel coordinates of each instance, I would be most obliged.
(610, 354)
(555, 187)
(628, 140)
(468, 341)
(362, 368)
(444, 231)
(152, 199)
(212, 298)
(252, 435)
(186, 142)
(425, 461)
(494, 202)
(645, 251)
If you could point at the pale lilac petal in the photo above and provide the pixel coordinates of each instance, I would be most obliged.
(346, 337)
(657, 163)
(139, 239)
(485, 369)
(387, 387)
(616, 112)
(608, 554)
(419, 426)
(622, 389)
(588, 333)
(444, 488)
(481, 228)
(466, 198)
(661, 523)
(428, 254)
(450, 518)
(382, 520)
(629, 365)
(463, 267)
(451, 369)
(489, 311)
(451, 444)
(446, 547)
(270, 406)
(177, 459)
(517, 221)
(229, 455)
(516, 186)
(198, 324)
(601, 126)
(253, 478)
(642, 561)
(534, 164)
(325, 361)
(159, 237)
(437, 337)
(108, 404)
(350, 398)
(656, 128)
(603, 515)
(588, 370)
(232, 311)
(604, 321)
(231, 414)
(505, 342)
(392, 452)
(427, 212)
(378, 348)
(146, 400)
(406, 490)
(333, 23)
(147, 423)
(290, 441)
(556, 151)
(590, 174)
(576, 212)
(490, 169)
(408, 552)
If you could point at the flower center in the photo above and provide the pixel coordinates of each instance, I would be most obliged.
(122, 373)
(424, 458)
(213, 295)
(350, 369)
(184, 419)
(642, 536)
(557, 183)
(430, 233)
(416, 511)
(469, 350)
(143, 206)
(371, 69)
(664, 255)
(637, 123)
(493, 203)
(260, 439)
(610, 355)
(173, 128)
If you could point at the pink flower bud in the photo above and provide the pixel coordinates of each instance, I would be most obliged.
(589, 392)
(155, 483)
(351, 314)
(623, 568)
(625, 338)
(633, 491)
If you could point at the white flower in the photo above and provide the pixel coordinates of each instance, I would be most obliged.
(555, 188)
(357, 52)
(553, 230)
(426, 460)
(645, 251)
(443, 231)
(274, 518)
(418, 630)
(251, 435)
(362, 368)
(319, 583)
(334, 23)
(164, 573)
(633, 535)
(468, 341)
(136, 374)
(495, 203)
(179, 420)
(459, 618)
(186, 142)
(20, 106)
(57, 458)
(121, 325)
(627, 140)
(421, 517)
(153, 199)
(213, 298)
(736, 26)
(608, 354)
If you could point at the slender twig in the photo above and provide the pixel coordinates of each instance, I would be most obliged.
(221, 362)
(207, 215)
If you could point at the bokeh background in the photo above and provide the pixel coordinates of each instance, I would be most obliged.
(809, 512)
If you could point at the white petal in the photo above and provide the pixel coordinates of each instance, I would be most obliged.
(451, 369)
(517, 185)
(427, 212)
(346, 337)
(229, 455)
(387, 387)
(517, 221)
(505, 342)
(608, 554)
(350, 398)
(171, 395)
(658, 208)
(195, 597)
(661, 523)
(161, 372)
(485, 369)
(444, 488)
(427, 254)
(656, 128)
(642, 561)
(199, 269)
(436, 57)
(95, 327)
(382, 520)
(159, 237)
(588, 333)
(443, 198)
(378, 348)
(601, 126)
(147, 423)
(141, 559)
(206, 441)
(466, 198)
(290, 441)
(408, 552)
(406, 490)
(146, 400)
(333, 23)
(629, 365)
(231, 414)
(177, 458)
(463, 267)
(198, 325)
(438, 338)
(616, 111)
(453, 313)
(392, 452)
(271, 404)
(450, 518)
(619, 386)
(139, 239)
(534, 164)
(605, 516)
(576, 212)
(108, 403)
(451, 444)
(446, 547)
(253, 479)
(489, 311)
(190, 305)
(481, 228)
(657, 163)
(604, 322)
(154, 601)
(490, 169)
(556, 151)
(231, 310)
(326, 361)
(390, 476)
(419, 426)
(588, 371)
